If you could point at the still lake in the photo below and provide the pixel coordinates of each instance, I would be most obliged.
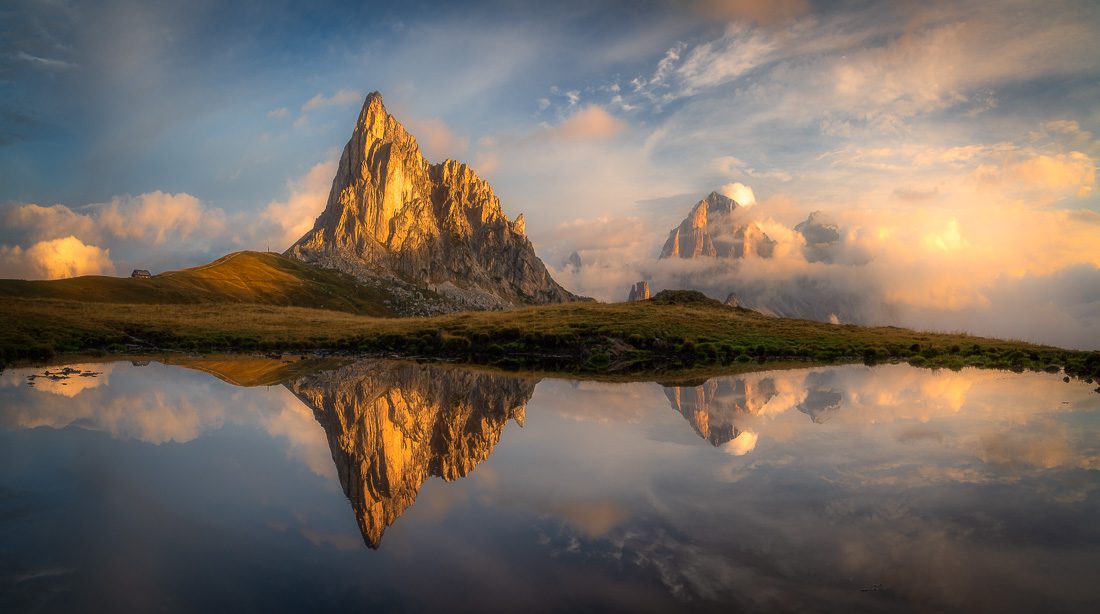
(404, 487)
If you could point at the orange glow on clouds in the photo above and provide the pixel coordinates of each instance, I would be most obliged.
(57, 258)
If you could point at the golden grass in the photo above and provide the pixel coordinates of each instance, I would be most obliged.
(682, 334)
(241, 277)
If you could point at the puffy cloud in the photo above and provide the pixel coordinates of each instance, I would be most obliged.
(289, 219)
(739, 192)
(55, 259)
(31, 222)
(176, 407)
(1074, 171)
(341, 98)
(987, 270)
(947, 240)
(156, 216)
(155, 228)
(741, 445)
(590, 123)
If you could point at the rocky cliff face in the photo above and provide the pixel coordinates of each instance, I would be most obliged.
(712, 230)
(392, 216)
(639, 291)
(712, 408)
(391, 425)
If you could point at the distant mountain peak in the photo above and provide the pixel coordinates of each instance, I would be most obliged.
(392, 215)
(711, 230)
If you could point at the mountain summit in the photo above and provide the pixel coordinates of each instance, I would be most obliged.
(393, 218)
(711, 230)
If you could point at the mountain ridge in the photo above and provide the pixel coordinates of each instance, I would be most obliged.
(711, 230)
(393, 216)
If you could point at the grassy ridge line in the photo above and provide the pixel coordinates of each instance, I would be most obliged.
(241, 277)
(675, 331)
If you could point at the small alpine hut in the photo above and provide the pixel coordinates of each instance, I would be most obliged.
(140, 274)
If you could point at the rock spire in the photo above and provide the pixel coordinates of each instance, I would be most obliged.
(712, 230)
(393, 217)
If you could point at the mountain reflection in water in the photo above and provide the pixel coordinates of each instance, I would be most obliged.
(884, 488)
(391, 425)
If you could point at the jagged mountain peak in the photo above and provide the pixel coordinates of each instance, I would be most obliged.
(711, 230)
(717, 199)
(393, 217)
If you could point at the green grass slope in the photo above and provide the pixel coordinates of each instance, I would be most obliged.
(674, 332)
(241, 277)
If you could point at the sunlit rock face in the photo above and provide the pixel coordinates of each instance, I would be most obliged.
(712, 408)
(390, 426)
(392, 216)
(711, 230)
(639, 291)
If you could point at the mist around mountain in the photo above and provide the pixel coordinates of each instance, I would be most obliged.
(829, 266)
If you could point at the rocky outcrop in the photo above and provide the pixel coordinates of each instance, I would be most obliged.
(639, 291)
(712, 230)
(821, 237)
(731, 300)
(392, 216)
(712, 408)
(392, 425)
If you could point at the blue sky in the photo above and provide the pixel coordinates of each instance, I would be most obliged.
(954, 143)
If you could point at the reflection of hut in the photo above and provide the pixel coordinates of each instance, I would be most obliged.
(140, 274)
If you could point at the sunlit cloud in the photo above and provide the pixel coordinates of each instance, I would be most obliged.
(741, 445)
(590, 123)
(55, 259)
(155, 217)
(292, 218)
(436, 139)
(739, 192)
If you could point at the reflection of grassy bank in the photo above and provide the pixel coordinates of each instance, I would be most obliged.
(675, 331)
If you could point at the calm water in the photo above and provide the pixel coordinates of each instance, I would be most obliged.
(408, 488)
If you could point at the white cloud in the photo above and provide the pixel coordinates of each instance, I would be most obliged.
(590, 123)
(341, 98)
(45, 62)
(155, 227)
(739, 192)
(55, 259)
(289, 219)
(157, 216)
(741, 445)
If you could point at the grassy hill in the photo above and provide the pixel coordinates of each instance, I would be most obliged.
(241, 277)
(674, 332)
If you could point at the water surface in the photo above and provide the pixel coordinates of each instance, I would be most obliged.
(405, 487)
